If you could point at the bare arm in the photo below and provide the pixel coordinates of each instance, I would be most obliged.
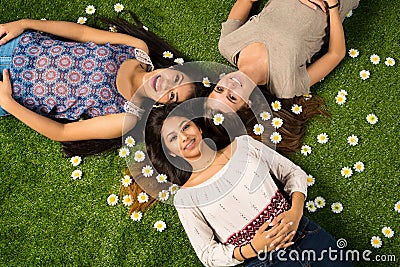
(241, 10)
(337, 48)
(69, 30)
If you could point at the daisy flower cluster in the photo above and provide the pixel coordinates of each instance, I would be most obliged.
(341, 97)
(318, 203)
(168, 54)
(374, 59)
(376, 241)
(75, 161)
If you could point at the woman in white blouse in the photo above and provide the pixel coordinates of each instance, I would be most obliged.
(228, 203)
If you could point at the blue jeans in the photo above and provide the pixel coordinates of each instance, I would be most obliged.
(6, 54)
(310, 238)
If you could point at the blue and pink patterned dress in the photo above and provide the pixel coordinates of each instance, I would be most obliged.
(67, 80)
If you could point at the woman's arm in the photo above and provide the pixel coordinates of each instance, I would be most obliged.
(336, 51)
(69, 30)
(103, 127)
(241, 9)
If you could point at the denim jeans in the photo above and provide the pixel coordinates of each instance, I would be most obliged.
(6, 54)
(310, 238)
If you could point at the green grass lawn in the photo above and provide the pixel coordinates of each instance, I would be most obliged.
(49, 219)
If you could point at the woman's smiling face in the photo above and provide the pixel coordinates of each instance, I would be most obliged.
(181, 137)
(168, 86)
(232, 92)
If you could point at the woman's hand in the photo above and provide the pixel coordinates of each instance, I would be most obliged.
(279, 236)
(5, 88)
(291, 218)
(314, 4)
(11, 30)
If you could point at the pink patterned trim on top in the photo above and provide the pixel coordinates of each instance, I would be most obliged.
(277, 205)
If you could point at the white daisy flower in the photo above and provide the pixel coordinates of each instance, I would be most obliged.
(118, 7)
(258, 129)
(136, 216)
(129, 141)
(311, 206)
(160, 226)
(163, 195)
(167, 54)
(346, 172)
(43, 19)
(337, 207)
(322, 138)
(218, 119)
(358, 166)
(310, 180)
(206, 82)
(142, 197)
(77, 174)
(340, 99)
(375, 59)
(90, 10)
(173, 189)
(275, 137)
(342, 92)
(376, 242)
(126, 180)
(352, 140)
(397, 206)
(139, 156)
(305, 150)
(307, 96)
(349, 14)
(387, 232)
(147, 171)
(127, 200)
(145, 28)
(161, 178)
(319, 202)
(390, 62)
(372, 118)
(265, 116)
(112, 200)
(124, 152)
(276, 105)
(75, 161)
(277, 123)
(112, 29)
(296, 109)
(353, 53)
(364, 74)
(179, 61)
(81, 20)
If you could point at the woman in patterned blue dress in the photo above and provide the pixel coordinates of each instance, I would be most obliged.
(98, 75)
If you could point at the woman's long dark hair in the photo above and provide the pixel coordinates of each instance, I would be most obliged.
(156, 47)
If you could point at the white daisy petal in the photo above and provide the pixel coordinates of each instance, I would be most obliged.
(353, 53)
(81, 20)
(90, 10)
(305, 150)
(276, 105)
(118, 7)
(340, 99)
(126, 180)
(275, 137)
(322, 138)
(167, 54)
(124, 152)
(277, 123)
(397, 206)
(130, 142)
(206, 82)
(142, 197)
(346, 172)
(265, 116)
(387, 232)
(163, 195)
(337, 207)
(372, 118)
(77, 174)
(136, 216)
(161, 178)
(218, 119)
(376, 242)
(258, 129)
(311, 206)
(75, 161)
(352, 140)
(179, 61)
(390, 62)
(364, 74)
(173, 189)
(375, 59)
(310, 180)
(112, 200)
(358, 166)
(296, 109)
(147, 171)
(127, 200)
(319, 202)
(160, 226)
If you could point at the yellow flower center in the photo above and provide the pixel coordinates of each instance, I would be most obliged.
(376, 241)
(112, 199)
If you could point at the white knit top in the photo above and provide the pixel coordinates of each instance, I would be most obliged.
(226, 210)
